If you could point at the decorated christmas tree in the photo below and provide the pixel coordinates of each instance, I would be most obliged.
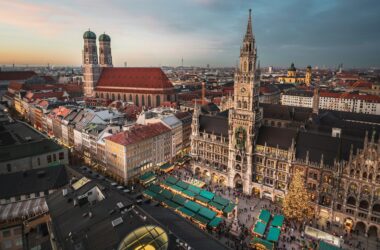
(297, 204)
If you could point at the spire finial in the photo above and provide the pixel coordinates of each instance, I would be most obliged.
(249, 25)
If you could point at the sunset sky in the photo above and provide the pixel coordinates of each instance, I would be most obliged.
(161, 32)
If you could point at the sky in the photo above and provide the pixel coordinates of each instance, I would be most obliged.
(161, 32)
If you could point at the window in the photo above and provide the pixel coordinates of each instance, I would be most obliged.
(48, 158)
(54, 157)
(61, 155)
(158, 100)
(9, 168)
(38, 161)
(6, 233)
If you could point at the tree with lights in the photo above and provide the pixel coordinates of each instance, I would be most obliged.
(296, 205)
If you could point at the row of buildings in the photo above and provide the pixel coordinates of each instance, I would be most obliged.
(329, 100)
(255, 148)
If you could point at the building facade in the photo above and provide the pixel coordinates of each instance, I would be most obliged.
(256, 150)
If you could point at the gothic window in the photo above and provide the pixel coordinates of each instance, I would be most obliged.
(149, 101)
(158, 100)
(245, 105)
(370, 177)
(250, 47)
(239, 104)
(245, 67)
(365, 175)
(250, 66)
(238, 158)
(363, 204)
(238, 167)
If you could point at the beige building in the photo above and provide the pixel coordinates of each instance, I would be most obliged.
(137, 150)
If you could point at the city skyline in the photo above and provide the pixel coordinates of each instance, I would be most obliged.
(208, 32)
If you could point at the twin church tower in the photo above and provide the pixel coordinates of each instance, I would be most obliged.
(91, 65)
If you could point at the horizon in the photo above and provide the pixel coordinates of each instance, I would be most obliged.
(319, 33)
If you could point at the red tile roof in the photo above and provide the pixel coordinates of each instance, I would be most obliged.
(15, 86)
(149, 78)
(138, 133)
(44, 95)
(16, 75)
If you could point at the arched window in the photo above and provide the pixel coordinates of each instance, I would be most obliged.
(245, 66)
(101, 95)
(149, 101)
(118, 97)
(125, 97)
(143, 100)
(107, 96)
(365, 175)
(137, 100)
(113, 97)
(238, 158)
(158, 100)
(250, 66)
(245, 105)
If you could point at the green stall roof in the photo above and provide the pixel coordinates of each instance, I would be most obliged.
(179, 199)
(221, 200)
(167, 194)
(202, 199)
(171, 204)
(166, 183)
(326, 246)
(172, 180)
(155, 188)
(182, 184)
(166, 166)
(147, 176)
(215, 222)
(194, 189)
(160, 198)
(186, 211)
(264, 216)
(207, 213)
(192, 206)
(260, 228)
(188, 193)
(230, 207)
(201, 219)
(216, 205)
(150, 193)
(175, 187)
(268, 245)
(207, 194)
(278, 221)
(274, 234)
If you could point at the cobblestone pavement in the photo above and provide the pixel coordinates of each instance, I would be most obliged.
(291, 237)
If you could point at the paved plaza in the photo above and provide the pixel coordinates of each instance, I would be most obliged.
(292, 237)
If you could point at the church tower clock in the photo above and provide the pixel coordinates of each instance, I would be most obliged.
(245, 117)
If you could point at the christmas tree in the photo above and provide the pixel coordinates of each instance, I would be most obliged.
(297, 204)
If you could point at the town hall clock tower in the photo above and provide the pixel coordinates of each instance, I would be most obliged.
(245, 116)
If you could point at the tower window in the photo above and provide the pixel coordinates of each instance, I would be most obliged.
(239, 104)
(245, 105)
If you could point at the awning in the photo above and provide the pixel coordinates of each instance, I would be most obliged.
(207, 213)
(155, 188)
(188, 193)
(221, 200)
(325, 246)
(167, 167)
(167, 194)
(176, 188)
(278, 221)
(216, 205)
(259, 228)
(208, 195)
(149, 194)
(179, 200)
(186, 211)
(182, 184)
(274, 234)
(194, 189)
(147, 177)
(192, 206)
(171, 204)
(264, 216)
(172, 180)
(262, 244)
(202, 199)
(215, 222)
(201, 219)
(230, 207)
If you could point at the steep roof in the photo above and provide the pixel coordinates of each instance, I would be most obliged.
(273, 136)
(16, 75)
(214, 124)
(138, 133)
(149, 78)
